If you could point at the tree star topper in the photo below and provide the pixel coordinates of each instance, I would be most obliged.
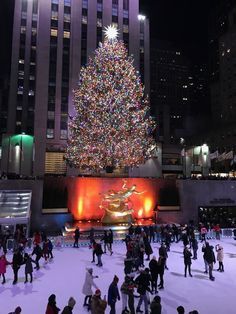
(111, 32)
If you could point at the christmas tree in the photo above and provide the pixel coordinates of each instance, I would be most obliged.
(112, 126)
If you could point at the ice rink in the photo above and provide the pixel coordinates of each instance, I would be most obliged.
(64, 276)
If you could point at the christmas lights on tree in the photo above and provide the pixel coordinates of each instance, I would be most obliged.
(112, 126)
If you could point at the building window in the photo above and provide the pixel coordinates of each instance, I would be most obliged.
(54, 32)
(24, 15)
(63, 135)
(126, 5)
(67, 3)
(125, 28)
(85, 4)
(99, 6)
(24, 5)
(66, 18)
(84, 19)
(54, 15)
(99, 22)
(55, 163)
(115, 7)
(50, 133)
(66, 34)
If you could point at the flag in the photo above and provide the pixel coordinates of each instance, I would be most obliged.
(214, 155)
(229, 155)
(222, 156)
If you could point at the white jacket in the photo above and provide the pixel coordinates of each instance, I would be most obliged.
(87, 287)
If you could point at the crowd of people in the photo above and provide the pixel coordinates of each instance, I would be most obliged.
(139, 281)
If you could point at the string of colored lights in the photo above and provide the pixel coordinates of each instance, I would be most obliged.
(112, 126)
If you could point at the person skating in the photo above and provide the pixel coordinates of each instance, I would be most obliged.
(28, 267)
(127, 294)
(110, 240)
(76, 237)
(68, 309)
(143, 283)
(105, 240)
(87, 287)
(153, 266)
(155, 305)
(98, 252)
(46, 249)
(113, 295)
(98, 306)
(147, 246)
(16, 264)
(161, 269)
(163, 253)
(51, 306)
(3, 267)
(220, 257)
(194, 244)
(38, 252)
(187, 261)
(50, 248)
(209, 256)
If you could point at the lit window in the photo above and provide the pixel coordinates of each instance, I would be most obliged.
(99, 22)
(18, 122)
(31, 92)
(228, 50)
(31, 77)
(63, 135)
(99, 7)
(55, 1)
(34, 17)
(50, 133)
(184, 98)
(54, 15)
(66, 17)
(20, 90)
(84, 19)
(21, 61)
(66, 34)
(185, 86)
(115, 25)
(54, 32)
(19, 108)
(34, 31)
(125, 28)
(85, 4)
(126, 14)
(67, 3)
(24, 15)
(141, 36)
(23, 29)
(177, 53)
(21, 74)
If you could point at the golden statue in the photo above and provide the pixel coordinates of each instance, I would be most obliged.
(118, 206)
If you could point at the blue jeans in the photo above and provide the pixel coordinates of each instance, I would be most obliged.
(99, 260)
(143, 297)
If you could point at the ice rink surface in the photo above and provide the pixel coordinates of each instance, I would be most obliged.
(64, 276)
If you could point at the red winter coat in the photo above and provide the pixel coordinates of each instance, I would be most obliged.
(37, 238)
(3, 264)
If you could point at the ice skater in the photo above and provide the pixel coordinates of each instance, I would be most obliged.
(110, 240)
(220, 257)
(87, 287)
(113, 295)
(68, 309)
(3, 267)
(76, 237)
(98, 306)
(38, 252)
(16, 264)
(52, 305)
(187, 261)
(209, 256)
(28, 267)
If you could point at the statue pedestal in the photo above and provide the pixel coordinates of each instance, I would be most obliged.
(110, 219)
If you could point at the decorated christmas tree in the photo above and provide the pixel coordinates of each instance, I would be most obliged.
(112, 126)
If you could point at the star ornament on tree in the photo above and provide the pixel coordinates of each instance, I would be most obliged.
(111, 32)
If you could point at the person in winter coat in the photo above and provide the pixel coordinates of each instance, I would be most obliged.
(16, 264)
(209, 256)
(3, 267)
(50, 248)
(155, 305)
(161, 269)
(76, 237)
(68, 309)
(147, 247)
(153, 266)
(98, 251)
(51, 307)
(98, 306)
(220, 257)
(37, 238)
(105, 239)
(87, 287)
(143, 282)
(194, 244)
(187, 261)
(127, 294)
(28, 267)
(110, 240)
(46, 249)
(17, 310)
(113, 295)
(163, 253)
(38, 252)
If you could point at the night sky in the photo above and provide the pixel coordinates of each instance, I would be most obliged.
(184, 22)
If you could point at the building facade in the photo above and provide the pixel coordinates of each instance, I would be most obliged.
(51, 41)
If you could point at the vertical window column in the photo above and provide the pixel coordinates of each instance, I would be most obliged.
(141, 50)
(99, 21)
(126, 23)
(84, 32)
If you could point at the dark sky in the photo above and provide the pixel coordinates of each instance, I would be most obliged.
(182, 21)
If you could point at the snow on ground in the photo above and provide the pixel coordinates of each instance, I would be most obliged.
(64, 276)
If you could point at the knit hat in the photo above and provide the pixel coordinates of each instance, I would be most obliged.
(71, 302)
(180, 309)
(98, 292)
(18, 310)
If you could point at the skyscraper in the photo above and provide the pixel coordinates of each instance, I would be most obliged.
(52, 39)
